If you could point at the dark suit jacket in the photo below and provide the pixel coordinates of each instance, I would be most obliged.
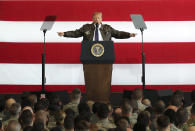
(87, 32)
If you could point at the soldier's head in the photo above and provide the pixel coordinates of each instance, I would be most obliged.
(103, 111)
(76, 94)
(137, 94)
(97, 17)
(163, 122)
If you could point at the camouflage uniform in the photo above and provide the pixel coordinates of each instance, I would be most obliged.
(5, 123)
(5, 115)
(72, 105)
(105, 124)
(141, 107)
(94, 119)
(190, 122)
(174, 128)
(52, 122)
(133, 119)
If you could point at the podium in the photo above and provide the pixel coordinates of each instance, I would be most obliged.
(97, 58)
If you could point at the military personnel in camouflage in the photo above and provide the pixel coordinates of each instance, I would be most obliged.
(14, 113)
(75, 100)
(191, 121)
(163, 123)
(138, 95)
(104, 124)
(5, 115)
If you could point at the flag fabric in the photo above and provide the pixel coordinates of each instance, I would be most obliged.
(169, 44)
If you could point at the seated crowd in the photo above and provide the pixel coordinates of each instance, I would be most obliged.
(134, 114)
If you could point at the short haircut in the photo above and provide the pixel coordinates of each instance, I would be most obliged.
(82, 125)
(176, 101)
(38, 126)
(26, 118)
(15, 109)
(96, 13)
(126, 108)
(171, 114)
(76, 93)
(122, 123)
(60, 116)
(95, 107)
(159, 107)
(103, 111)
(181, 116)
(137, 94)
(69, 122)
(163, 121)
(83, 108)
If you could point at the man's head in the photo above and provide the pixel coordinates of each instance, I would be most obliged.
(9, 102)
(163, 122)
(76, 94)
(97, 17)
(15, 109)
(137, 94)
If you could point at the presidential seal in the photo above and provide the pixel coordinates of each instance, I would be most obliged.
(97, 50)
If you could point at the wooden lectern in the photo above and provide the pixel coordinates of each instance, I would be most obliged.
(97, 58)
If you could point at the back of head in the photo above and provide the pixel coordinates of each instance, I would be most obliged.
(26, 118)
(60, 116)
(9, 102)
(142, 121)
(95, 107)
(82, 125)
(103, 111)
(69, 123)
(163, 122)
(83, 108)
(42, 116)
(176, 101)
(15, 109)
(137, 94)
(38, 126)
(126, 108)
(123, 123)
(159, 107)
(13, 125)
(171, 114)
(76, 94)
(181, 116)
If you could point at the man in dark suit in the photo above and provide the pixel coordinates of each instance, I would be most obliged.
(97, 86)
(105, 31)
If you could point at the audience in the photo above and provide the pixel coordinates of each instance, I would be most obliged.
(134, 114)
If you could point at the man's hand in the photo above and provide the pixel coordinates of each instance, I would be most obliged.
(133, 34)
(60, 33)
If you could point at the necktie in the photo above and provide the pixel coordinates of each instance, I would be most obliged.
(96, 33)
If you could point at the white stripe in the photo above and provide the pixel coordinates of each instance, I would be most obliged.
(158, 31)
(123, 74)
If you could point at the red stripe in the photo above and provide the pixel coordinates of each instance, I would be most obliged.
(124, 52)
(152, 10)
(69, 88)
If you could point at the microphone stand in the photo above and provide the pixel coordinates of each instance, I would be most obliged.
(43, 66)
(143, 62)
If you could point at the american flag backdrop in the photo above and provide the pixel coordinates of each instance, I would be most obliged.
(169, 44)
